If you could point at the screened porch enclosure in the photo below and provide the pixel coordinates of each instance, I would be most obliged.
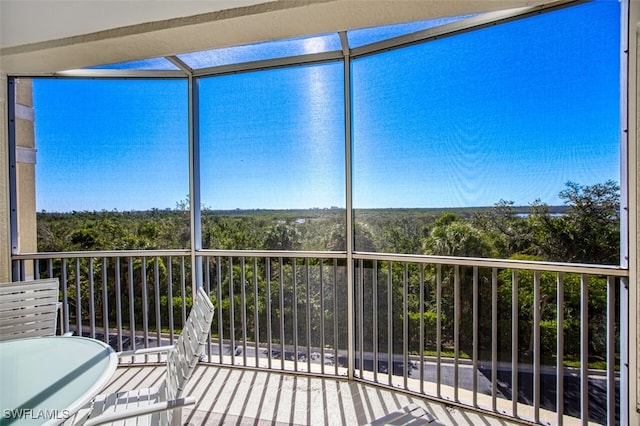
(406, 206)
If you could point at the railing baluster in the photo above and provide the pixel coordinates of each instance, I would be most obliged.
(475, 296)
(145, 302)
(360, 306)
(422, 330)
(170, 298)
(65, 296)
(92, 304)
(584, 350)
(105, 301)
(514, 342)
(390, 323)
(183, 290)
(50, 268)
(294, 273)
(119, 305)
(232, 316)
(308, 303)
(494, 339)
(405, 326)
(243, 298)
(207, 285)
(281, 305)
(456, 330)
(220, 316)
(78, 299)
(156, 289)
(132, 318)
(256, 312)
(438, 330)
(268, 303)
(376, 346)
(335, 317)
(322, 319)
(611, 351)
(536, 346)
(560, 350)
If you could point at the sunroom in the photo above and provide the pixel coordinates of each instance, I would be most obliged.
(388, 203)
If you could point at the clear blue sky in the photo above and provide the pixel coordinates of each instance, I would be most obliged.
(510, 112)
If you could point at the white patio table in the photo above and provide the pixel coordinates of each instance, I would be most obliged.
(44, 380)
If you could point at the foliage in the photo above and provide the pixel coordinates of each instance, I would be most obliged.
(259, 293)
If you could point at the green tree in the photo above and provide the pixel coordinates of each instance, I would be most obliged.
(590, 230)
(508, 231)
(455, 236)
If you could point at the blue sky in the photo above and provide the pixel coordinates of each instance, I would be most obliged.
(509, 112)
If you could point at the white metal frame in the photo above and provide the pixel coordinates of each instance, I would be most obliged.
(629, 300)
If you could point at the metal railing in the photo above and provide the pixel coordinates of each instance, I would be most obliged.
(495, 335)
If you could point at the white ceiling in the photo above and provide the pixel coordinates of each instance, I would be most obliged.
(31, 21)
(45, 36)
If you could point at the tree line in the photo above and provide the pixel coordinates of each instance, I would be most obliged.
(586, 229)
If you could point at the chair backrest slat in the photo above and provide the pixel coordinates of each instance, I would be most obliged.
(182, 361)
(40, 320)
(190, 344)
(28, 308)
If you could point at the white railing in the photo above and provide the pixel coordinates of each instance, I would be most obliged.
(468, 331)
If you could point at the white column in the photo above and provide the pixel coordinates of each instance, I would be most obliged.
(634, 208)
(5, 240)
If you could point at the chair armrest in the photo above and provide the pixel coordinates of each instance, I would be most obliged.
(147, 351)
(140, 411)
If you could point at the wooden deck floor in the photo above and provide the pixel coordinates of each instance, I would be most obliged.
(231, 396)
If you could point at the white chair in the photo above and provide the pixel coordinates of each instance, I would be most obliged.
(28, 308)
(161, 405)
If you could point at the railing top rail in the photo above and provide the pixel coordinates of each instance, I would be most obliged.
(275, 253)
(577, 268)
(609, 270)
(106, 253)
(182, 252)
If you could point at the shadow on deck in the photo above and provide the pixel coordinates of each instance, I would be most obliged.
(233, 396)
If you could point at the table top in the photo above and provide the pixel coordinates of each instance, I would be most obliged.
(44, 380)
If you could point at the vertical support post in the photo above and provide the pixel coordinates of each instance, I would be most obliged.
(629, 205)
(13, 199)
(6, 265)
(194, 183)
(629, 210)
(349, 207)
